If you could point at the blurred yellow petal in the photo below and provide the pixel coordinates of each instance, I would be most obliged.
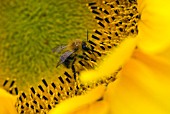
(143, 87)
(154, 25)
(7, 103)
(112, 62)
(98, 107)
(165, 54)
(154, 62)
(77, 103)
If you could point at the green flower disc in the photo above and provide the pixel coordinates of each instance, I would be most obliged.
(30, 29)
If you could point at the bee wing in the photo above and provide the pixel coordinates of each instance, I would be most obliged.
(64, 56)
(59, 48)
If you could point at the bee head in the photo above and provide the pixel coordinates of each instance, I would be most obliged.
(84, 46)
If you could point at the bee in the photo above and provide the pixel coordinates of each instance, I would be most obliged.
(71, 51)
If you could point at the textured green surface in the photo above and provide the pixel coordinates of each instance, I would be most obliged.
(29, 29)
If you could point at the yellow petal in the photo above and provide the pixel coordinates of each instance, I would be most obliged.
(165, 54)
(80, 102)
(112, 62)
(143, 88)
(7, 103)
(98, 107)
(154, 25)
(160, 62)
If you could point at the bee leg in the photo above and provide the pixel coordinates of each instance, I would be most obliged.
(73, 69)
(67, 63)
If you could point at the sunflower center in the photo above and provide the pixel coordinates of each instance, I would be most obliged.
(121, 17)
(117, 20)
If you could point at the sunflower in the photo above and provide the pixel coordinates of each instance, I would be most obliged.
(142, 85)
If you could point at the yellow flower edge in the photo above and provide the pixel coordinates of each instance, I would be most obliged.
(154, 35)
(83, 100)
(7, 102)
(112, 62)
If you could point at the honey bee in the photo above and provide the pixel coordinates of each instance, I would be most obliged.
(72, 50)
